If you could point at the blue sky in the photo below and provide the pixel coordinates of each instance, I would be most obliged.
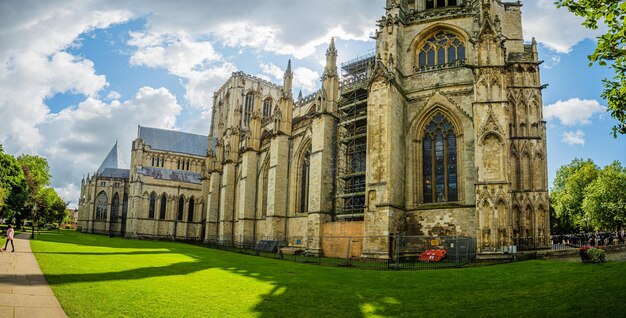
(78, 74)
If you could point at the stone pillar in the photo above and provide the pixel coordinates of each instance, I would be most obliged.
(213, 207)
(227, 196)
(321, 179)
(247, 191)
(386, 172)
(277, 187)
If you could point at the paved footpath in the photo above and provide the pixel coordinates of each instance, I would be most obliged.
(23, 290)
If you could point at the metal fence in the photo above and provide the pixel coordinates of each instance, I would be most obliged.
(394, 252)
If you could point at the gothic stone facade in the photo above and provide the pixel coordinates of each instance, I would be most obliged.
(455, 143)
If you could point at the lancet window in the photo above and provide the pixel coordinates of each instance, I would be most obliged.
(439, 161)
(102, 203)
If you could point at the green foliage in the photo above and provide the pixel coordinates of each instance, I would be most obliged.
(36, 171)
(586, 198)
(597, 255)
(4, 194)
(14, 186)
(605, 198)
(611, 48)
(97, 276)
(568, 193)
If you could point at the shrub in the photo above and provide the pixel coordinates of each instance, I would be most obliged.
(597, 255)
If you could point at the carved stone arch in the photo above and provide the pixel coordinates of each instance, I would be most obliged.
(425, 34)
(436, 103)
(491, 124)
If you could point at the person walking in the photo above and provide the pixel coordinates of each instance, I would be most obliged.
(10, 233)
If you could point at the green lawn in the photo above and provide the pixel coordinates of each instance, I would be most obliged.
(97, 276)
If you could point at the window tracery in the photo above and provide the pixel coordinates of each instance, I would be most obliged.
(442, 49)
(439, 161)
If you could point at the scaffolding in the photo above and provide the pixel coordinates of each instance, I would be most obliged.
(352, 138)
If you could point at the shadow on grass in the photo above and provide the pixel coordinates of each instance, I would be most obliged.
(312, 291)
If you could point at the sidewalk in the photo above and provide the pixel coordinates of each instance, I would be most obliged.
(23, 290)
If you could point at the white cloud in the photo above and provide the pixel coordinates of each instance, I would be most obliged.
(574, 137)
(573, 111)
(114, 95)
(305, 79)
(35, 67)
(202, 68)
(272, 70)
(558, 29)
(78, 139)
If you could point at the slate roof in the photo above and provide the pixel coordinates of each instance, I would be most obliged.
(113, 160)
(174, 141)
(115, 173)
(172, 175)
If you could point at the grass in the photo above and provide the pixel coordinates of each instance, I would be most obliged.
(97, 276)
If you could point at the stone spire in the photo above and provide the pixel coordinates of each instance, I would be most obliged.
(288, 79)
(331, 59)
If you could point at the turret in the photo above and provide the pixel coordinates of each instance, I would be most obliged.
(331, 60)
(288, 80)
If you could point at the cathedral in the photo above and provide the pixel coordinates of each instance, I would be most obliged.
(439, 132)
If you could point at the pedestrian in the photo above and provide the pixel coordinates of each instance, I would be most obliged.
(10, 232)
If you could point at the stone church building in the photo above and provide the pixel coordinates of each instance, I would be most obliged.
(440, 132)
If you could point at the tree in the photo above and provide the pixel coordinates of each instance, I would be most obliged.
(36, 173)
(567, 194)
(13, 185)
(605, 198)
(611, 48)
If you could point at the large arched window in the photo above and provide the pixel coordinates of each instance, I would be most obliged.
(102, 204)
(268, 103)
(247, 110)
(181, 207)
(152, 206)
(163, 207)
(115, 207)
(190, 212)
(444, 48)
(439, 161)
(305, 167)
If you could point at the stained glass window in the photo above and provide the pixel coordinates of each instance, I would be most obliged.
(102, 203)
(439, 161)
(190, 212)
(163, 207)
(247, 110)
(441, 49)
(151, 207)
(181, 207)
(304, 181)
(115, 207)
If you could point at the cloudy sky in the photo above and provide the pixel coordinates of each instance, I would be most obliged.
(76, 75)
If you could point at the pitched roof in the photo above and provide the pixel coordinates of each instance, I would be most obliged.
(113, 160)
(115, 173)
(172, 175)
(174, 141)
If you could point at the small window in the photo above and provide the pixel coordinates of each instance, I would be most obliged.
(103, 184)
(152, 206)
(247, 110)
(181, 207)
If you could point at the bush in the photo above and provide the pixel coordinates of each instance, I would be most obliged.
(597, 255)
